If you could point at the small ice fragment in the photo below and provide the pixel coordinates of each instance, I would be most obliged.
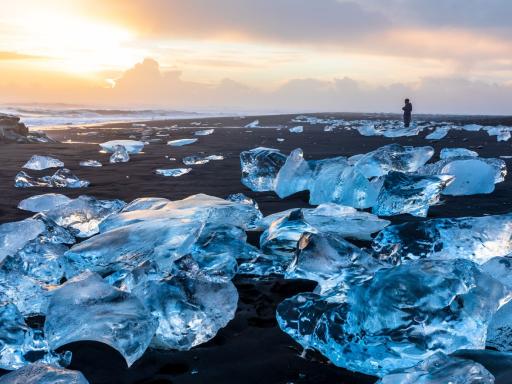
(297, 129)
(181, 142)
(120, 155)
(90, 163)
(439, 133)
(280, 139)
(447, 153)
(214, 157)
(254, 124)
(132, 146)
(173, 172)
(195, 160)
(87, 308)
(38, 163)
(41, 203)
(204, 132)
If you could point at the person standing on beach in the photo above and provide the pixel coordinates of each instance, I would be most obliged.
(407, 113)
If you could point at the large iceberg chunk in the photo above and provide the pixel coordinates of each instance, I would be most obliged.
(87, 308)
(392, 157)
(475, 238)
(120, 155)
(83, 215)
(189, 311)
(440, 369)
(40, 373)
(260, 167)
(41, 203)
(38, 163)
(294, 176)
(401, 316)
(408, 193)
(131, 146)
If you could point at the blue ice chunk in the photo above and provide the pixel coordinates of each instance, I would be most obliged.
(15, 235)
(88, 308)
(181, 142)
(294, 176)
(399, 317)
(475, 238)
(120, 155)
(447, 153)
(173, 172)
(91, 163)
(409, 193)
(260, 167)
(41, 203)
(297, 129)
(40, 373)
(439, 133)
(131, 146)
(204, 132)
(38, 163)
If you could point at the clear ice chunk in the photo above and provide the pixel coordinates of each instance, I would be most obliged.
(392, 157)
(120, 155)
(447, 153)
(15, 235)
(294, 176)
(297, 129)
(162, 241)
(204, 132)
(173, 172)
(195, 160)
(189, 311)
(500, 268)
(181, 142)
(38, 163)
(131, 146)
(399, 317)
(40, 373)
(91, 163)
(87, 308)
(439, 133)
(260, 167)
(26, 293)
(408, 193)
(144, 203)
(254, 124)
(83, 215)
(499, 332)
(41, 203)
(439, 369)
(475, 238)
(502, 133)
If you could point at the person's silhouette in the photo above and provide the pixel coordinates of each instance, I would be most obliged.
(407, 113)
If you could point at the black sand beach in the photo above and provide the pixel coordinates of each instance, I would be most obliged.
(251, 349)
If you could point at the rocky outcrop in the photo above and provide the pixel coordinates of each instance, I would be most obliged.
(13, 131)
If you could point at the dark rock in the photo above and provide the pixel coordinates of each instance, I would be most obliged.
(13, 131)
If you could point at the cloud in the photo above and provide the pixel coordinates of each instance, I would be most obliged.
(6, 55)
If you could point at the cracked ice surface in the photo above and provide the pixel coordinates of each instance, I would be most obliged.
(40, 373)
(131, 146)
(475, 238)
(399, 317)
(38, 163)
(87, 308)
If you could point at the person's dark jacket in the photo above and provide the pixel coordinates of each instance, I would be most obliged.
(407, 109)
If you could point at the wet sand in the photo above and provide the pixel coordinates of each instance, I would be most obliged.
(251, 349)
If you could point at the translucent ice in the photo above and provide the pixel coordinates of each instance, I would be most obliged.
(408, 193)
(162, 241)
(41, 203)
(440, 369)
(63, 178)
(204, 132)
(399, 317)
(90, 163)
(83, 215)
(500, 268)
(181, 142)
(26, 293)
(38, 163)
(132, 146)
(475, 238)
(87, 308)
(294, 176)
(502, 133)
(439, 133)
(189, 311)
(173, 172)
(39, 373)
(254, 124)
(120, 155)
(331, 261)
(260, 167)
(297, 129)
(195, 160)
(392, 157)
(499, 333)
(446, 153)
(15, 235)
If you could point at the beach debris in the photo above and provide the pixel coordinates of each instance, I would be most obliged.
(131, 146)
(408, 193)
(181, 142)
(440, 368)
(260, 167)
(42, 373)
(374, 328)
(297, 129)
(38, 163)
(88, 308)
(120, 155)
(478, 239)
(173, 172)
(45, 202)
(90, 163)
(204, 132)
(254, 124)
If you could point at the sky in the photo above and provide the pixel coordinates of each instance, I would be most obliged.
(448, 56)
